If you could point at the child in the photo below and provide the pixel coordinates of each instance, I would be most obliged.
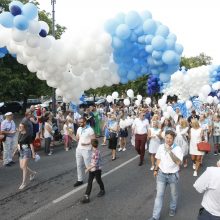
(94, 171)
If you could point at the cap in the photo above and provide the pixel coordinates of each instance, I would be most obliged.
(8, 113)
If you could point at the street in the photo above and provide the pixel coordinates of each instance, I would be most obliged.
(130, 190)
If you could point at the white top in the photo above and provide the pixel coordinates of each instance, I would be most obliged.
(140, 126)
(46, 132)
(77, 116)
(166, 163)
(195, 138)
(85, 137)
(67, 127)
(209, 184)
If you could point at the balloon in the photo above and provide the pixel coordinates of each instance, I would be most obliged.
(6, 19)
(115, 95)
(170, 57)
(132, 19)
(139, 98)
(44, 26)
(34, 27)
(162, 30)
(158, 43)
(149, 26)
(188, 104)
(206, 89)
(33, 40)
(18, 36)
(30, 11)
(43, 33)
(15, 10)
(126, 102)
(123, 31)
(109, 99)
(21, 22)
(148, 101)
(130, 93)
(15, 3)
(210, 99)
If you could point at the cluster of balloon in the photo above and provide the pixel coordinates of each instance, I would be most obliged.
(111, 98)
(153, 85)
(70, 67)
(142, 45)
(215, 75)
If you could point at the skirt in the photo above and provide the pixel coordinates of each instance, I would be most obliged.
(25, 154)
(112, 143)
(123, 133)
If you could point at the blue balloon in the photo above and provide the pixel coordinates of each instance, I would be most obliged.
(178, 48)
(149, 26)
(17, 3)
(133, 37)
(158, 43)
(122, 72)
(164, 77)
(2, 55)
(123, 31)
(21, 22)
(15, 10)
(139, 30)
(156, 54)
(149, 48)
(172, 37)
(30, 11)
(131, 75)
(133, 19)
(6, 19)
(146, 15)
(141, 39)
(110, 26)
(3, 50)
(170, 44)
(124, 80)
(169, 57)
(43, 33)
(163, 31)
(148, 38)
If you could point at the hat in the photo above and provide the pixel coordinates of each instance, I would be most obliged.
(8, 113)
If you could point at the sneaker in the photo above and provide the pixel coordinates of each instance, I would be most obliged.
(32, 176)
(50, 153)
(120, 149)
(216, 153)
(140, 163)
(124, 149)
(7, 165)
(78, 183)
(152, 168)
(194, 166)
(195, 173)
(172, 212)
(101, 193)
(12, 162)
(67, 149)
(85, 199)
(22, 186)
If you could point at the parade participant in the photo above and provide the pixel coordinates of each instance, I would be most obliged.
(25, 151)
(154, 136)
(68, 130)
(95, 171)
(169, 157)
(123, 132)
(139, 129)
(97, 118)
(113, 135)
(8, 129)
(195, 136)
(209, 184)
(83, 151)
(48, 134)
(216, 134)
(192, 116)
(27, 122)
(105, 128)
(182, 138)
(166, 125)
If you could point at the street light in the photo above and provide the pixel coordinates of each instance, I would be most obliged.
(53, 2)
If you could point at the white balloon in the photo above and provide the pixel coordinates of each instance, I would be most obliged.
(18, 35)
(210, 99)
(206, 89)
(161, 102)
(33, 40)
(44, 25)
(148, 101)
(216, 100)
(31, 67)
(126, 102)
(130, 93)
(45, 43)
(109, 99)
(34, 27)
(188, 104)
(115, 95)
(139, 97)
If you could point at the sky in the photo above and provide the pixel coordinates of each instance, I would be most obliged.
(195, 22)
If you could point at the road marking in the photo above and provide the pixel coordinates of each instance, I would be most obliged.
(39, 210)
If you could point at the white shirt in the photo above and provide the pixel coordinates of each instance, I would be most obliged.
(85, 135)
(140, 126)
(46, 132)
(209, 184)
(166, 163)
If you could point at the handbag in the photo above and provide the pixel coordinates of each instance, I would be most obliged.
(204, 146)
(37, 144)
(2, 137)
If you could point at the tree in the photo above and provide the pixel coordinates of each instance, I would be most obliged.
(17, 82)
(191, 62)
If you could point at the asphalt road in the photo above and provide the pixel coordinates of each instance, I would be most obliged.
(130, 190)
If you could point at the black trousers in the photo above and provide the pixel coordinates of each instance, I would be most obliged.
(204, 215)
(47, 145)
(97, 175)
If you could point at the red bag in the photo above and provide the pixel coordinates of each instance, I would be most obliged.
(37, 144)
(204, 146)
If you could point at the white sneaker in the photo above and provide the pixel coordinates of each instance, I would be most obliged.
(50, 154)
(124, 149)
(194, 166)
(120, 149)
(195, 173)
(152, 168)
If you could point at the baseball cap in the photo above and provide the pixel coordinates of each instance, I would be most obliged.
(8, 113)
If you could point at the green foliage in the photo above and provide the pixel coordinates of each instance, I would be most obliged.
(191, 62)
(138, 86)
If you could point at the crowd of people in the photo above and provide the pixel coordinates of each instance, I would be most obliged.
(170, 141)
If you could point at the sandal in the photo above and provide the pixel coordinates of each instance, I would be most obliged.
(22, 186)
(32, 176)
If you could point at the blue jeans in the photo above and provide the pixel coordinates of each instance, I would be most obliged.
(162, 181)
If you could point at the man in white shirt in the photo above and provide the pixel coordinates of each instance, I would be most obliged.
(139, 129)
(209, 184)
(169, 157)
(84, 136)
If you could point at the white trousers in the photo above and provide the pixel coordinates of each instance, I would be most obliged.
(8, 149)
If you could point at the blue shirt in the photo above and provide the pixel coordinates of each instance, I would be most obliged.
(7, 125)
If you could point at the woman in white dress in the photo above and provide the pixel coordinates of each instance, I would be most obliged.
(196, 135)
(154, 136)
(182, 138)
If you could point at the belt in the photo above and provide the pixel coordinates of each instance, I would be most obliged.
(167, 173)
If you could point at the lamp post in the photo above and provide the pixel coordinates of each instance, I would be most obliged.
(53, 2)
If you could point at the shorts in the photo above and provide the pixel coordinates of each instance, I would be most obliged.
(25, 154)
(216, 139)
(123, 133)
